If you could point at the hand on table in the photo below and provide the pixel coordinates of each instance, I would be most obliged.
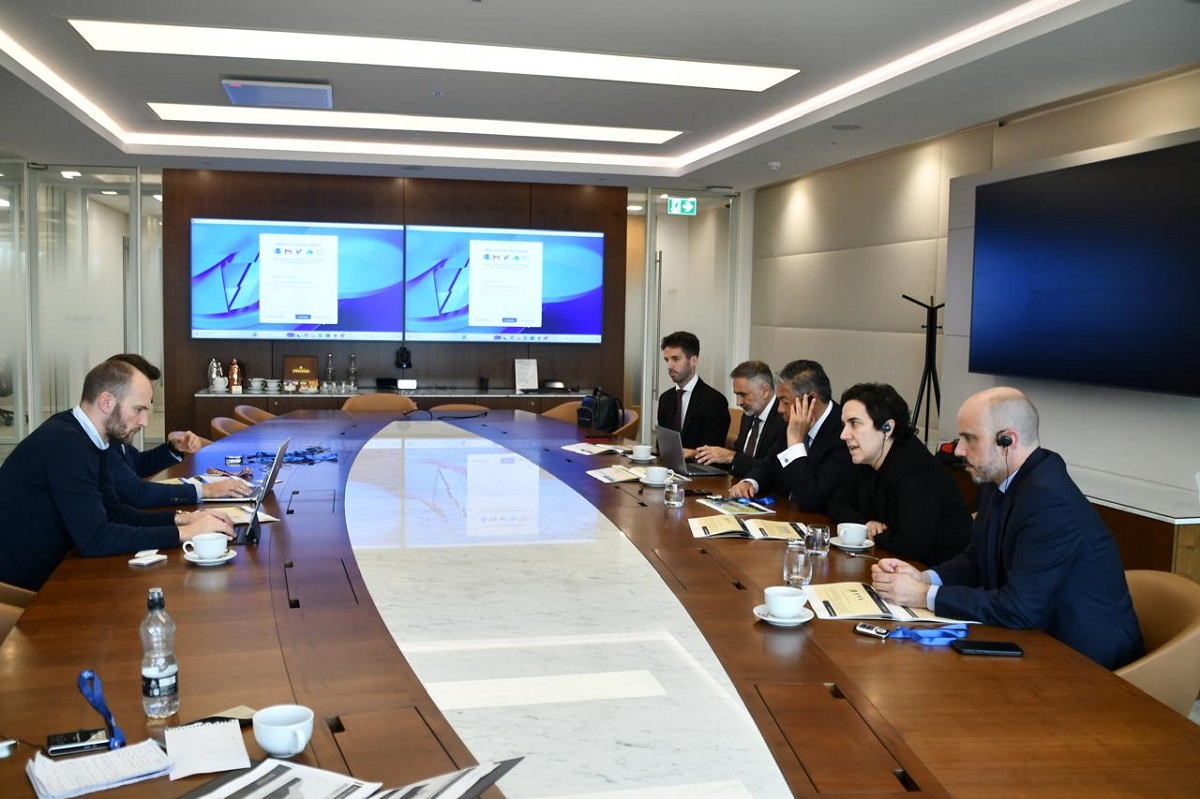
(185, 441)
(714, 455)
(742, 490)
(232, 487)
(900, 582)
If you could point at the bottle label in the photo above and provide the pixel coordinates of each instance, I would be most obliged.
(166, 685)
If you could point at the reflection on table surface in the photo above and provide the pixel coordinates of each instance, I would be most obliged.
(539, 629)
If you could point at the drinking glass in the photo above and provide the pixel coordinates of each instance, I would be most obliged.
(673, 495)
(816, 542)
(797, 565)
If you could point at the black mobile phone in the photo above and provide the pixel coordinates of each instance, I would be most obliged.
(1004, 649)
(69, 743)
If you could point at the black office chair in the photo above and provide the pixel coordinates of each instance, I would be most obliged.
(6, 390)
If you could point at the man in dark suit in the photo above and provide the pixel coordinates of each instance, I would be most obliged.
(815, 461)
(763, 431)
(1039, 557)
(697, 410)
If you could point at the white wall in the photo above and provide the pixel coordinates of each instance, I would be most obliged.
(834, 251)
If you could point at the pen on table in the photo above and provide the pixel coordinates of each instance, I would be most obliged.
(828, 606)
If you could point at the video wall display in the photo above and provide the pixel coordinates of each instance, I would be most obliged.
(254, 279)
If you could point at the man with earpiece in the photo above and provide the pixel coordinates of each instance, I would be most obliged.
(907, 500)
(1039, 557)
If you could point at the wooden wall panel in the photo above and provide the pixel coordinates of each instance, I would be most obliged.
(347, 198)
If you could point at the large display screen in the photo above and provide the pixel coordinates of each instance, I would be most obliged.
(1091, 274)
(296, 280)
(503, 284)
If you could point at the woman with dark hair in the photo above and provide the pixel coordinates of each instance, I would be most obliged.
(907, 499)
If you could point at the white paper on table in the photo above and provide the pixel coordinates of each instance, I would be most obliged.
(90, 773)
(526, 376)
(206, 748)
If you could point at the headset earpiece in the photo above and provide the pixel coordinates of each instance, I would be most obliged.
(1003, 439)
(887, 427)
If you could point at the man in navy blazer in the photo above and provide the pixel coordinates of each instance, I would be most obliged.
(697, 410)
(763, 431)
(815, 461)
(1039, 557)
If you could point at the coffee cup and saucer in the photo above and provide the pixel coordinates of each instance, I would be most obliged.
(852, 537)
(656, 476)
(784, 607)
(208, 549)
(641, 454)
(283, 730)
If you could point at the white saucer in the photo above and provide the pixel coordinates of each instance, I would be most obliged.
(640, 460)
(805, 615)
(840, 544)
(192, 557)
(646, 482)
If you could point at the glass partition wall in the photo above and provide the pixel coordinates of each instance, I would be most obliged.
(690, 281)
(82, 269)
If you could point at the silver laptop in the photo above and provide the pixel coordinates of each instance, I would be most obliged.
(262, 489)
(248, 533)
(670, 454)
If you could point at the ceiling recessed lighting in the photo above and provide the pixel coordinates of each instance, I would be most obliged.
(847, 126)
(635, 208)
(177, 40)
(277, 93)
(177, 112)
(157, 197)
(4, 203)
(70, 174)
(109, 193)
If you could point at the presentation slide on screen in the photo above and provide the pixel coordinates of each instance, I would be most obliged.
(506, 287)
(299, 278)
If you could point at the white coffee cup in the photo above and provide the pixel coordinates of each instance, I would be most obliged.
(283, 730)
(273, 384)
(783, 601)
(207, 546)
(658, 474)
(220, 383)
(641, 452)
(258, 383)
(852, 534)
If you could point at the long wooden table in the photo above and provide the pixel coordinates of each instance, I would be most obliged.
(841, 714)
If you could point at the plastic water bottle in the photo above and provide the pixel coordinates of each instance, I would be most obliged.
(160, 670)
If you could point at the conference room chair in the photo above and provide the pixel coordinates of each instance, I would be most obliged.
(12, 604)
(224, 426)
(735, 426)
(567, 412)
(459, 407)
(379, 401)
(629, 425)
(1168, 612)
(251, 414)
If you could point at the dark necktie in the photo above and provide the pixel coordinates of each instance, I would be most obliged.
(752, 439)
(679, 409)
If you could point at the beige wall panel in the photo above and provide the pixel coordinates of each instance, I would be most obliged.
(964, 154)
(956, 319)
(1167, 106)
(859, 289)
(893, 197)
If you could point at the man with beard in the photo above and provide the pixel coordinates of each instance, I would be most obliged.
(57, 492)
(697, 410)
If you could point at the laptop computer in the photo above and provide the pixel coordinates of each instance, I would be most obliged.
(670, 454)
(260, 490)
(248, 533)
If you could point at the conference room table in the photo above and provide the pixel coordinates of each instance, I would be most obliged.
(456, 590)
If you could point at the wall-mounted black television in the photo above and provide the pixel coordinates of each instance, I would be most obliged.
(256, 279)
(1091, 274)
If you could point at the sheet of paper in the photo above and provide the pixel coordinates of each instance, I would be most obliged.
(240, 514)
(735, 507)
(859, 601)
(206, 748)
(277, 778)
(583, 448)
(76, 776)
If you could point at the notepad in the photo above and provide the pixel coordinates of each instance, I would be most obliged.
(206, 748)
(60, 779)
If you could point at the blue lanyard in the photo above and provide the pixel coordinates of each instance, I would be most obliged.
(93, 692)
(931, 636)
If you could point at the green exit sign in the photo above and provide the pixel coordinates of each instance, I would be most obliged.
(681, 206)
